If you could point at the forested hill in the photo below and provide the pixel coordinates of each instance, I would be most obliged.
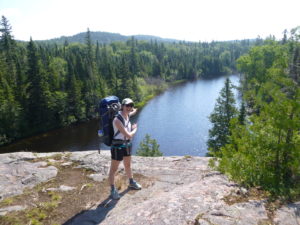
(104, 38)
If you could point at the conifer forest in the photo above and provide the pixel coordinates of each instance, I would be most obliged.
(48, 85)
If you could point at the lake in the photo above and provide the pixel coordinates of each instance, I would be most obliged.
(177, 119)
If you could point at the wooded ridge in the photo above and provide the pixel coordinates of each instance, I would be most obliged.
(104, 38)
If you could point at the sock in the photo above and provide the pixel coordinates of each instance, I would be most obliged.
(131, 180)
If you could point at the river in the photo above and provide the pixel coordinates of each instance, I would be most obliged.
(177, 119)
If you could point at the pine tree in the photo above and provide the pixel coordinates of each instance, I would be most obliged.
(223, 112)
(242, 113)
(133, 59)
(8, 46)
(126, 87)
(7, 41)
(149, 147)
(10, 110)
(38, 111)
(89, 48)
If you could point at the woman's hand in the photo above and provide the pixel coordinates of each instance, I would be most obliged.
(134, 126)
(133, 112)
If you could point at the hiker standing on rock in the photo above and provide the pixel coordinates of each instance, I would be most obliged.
(121, 146)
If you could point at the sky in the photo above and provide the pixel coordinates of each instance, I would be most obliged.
(189, 20)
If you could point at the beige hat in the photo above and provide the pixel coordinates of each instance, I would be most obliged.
(126, 101)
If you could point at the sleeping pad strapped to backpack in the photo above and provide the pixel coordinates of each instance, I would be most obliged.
(108, 109)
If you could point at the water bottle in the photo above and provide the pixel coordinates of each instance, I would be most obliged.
(100, 133)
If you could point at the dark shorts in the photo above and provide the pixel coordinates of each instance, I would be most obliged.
(120, 151)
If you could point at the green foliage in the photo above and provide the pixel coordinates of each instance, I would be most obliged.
(212, 163)
(149, 147)
(49, 85)
(223, 112)
(6, 202)
(242, 113)
(11, 220)
(264, 150)
(36, 215)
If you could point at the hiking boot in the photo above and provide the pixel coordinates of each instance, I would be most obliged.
(135, 185)
(114, 194)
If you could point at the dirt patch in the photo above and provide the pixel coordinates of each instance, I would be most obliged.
(244, 196)
(255, 194)
(56, 207)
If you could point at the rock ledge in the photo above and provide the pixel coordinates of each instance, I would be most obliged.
(184, 190)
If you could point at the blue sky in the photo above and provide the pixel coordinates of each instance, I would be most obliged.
(190, 20)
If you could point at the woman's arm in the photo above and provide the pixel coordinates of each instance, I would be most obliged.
(122, 129)
(133, 112)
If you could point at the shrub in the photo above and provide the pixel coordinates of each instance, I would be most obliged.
(149, 147)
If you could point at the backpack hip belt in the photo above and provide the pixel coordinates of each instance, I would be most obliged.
(120, 142)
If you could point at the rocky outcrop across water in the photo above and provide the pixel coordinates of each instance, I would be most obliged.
(177, 190)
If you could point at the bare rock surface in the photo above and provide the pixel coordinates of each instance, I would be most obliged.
(4, 211)
(17, 173)
(184, 190)
(289, 214)
(61, 188)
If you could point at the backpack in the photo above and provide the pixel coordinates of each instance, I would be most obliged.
(108, 109)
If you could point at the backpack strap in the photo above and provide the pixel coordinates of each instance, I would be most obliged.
(122, 121)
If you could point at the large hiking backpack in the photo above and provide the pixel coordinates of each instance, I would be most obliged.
(108, 109)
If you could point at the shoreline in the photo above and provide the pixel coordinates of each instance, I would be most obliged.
(140, 105)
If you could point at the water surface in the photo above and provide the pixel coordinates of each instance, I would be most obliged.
(177, 120)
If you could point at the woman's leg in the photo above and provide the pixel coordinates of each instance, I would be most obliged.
(127, 165)
(113, 169)
(132, 183)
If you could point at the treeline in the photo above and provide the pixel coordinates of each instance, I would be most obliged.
(103, 38)
(259, 144)
(45, 86)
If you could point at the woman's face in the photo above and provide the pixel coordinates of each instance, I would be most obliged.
(128, 107)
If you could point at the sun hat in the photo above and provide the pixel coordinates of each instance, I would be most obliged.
(127, 101)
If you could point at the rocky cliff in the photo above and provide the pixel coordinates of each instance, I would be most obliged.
(72, 188)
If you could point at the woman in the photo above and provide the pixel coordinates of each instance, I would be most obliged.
(121, 146)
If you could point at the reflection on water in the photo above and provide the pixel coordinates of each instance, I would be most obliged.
(177, 119)
(74, 138)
